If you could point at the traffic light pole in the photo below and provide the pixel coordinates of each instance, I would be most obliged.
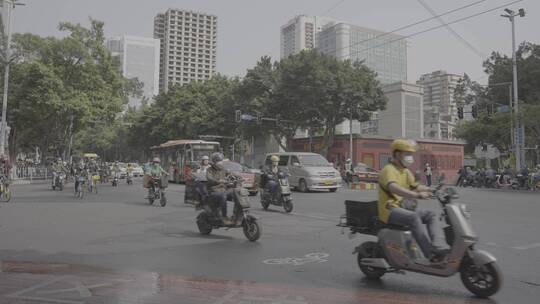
(7, 7)
(520, 132)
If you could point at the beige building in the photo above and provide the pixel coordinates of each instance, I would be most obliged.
(300, 33)
(188, 43)
(440, 108)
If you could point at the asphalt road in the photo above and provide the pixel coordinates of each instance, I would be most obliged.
(114, 248)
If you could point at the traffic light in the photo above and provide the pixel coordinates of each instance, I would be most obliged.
(238, 116)
(474, 111)
(460, 112)
(259, 118)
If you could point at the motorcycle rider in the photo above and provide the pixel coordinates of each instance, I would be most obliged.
(216, 176)
(156, 171)
(524, 176)
(269, 177)
(491, 176)
(58, 168)
(397, 184)
(462, 175)
(80, 170)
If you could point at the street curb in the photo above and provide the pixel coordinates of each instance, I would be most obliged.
(29, 182)
(363, 186)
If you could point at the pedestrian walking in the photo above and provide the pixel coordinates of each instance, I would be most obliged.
(428, 173)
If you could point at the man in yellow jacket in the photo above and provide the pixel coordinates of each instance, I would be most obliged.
(398, 190)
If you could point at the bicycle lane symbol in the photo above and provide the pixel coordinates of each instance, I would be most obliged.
(314, 257)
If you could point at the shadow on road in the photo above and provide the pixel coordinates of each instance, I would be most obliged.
(413, 290)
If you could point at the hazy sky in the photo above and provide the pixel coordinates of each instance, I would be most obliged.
(249, 29)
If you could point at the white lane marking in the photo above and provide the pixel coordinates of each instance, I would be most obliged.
(311, 216)
(83, 290)
(528, 246)
(20, 294)
(314, 257)
(236, 296)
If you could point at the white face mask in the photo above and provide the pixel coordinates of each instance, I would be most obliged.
(407, 160)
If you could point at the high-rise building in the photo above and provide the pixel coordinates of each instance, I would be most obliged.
(440, 108)
(188, 42)
(139, 58)
(300, 33)
(386, 54)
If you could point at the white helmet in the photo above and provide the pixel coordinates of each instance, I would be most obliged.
(205, 157)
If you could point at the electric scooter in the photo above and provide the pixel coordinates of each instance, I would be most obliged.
(397, 251)
(282, 197)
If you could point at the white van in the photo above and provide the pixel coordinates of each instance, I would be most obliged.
(309, 171)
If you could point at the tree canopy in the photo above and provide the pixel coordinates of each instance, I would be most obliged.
(492, 127)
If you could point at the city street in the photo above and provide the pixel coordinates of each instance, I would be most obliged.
(115, 248)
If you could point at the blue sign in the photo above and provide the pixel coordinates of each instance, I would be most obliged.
(503, 109)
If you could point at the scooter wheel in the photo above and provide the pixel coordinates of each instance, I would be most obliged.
(163, 200)
(370, 250)
(265, 203)
(288, 206)
(252, 230)
(203, 225)
(482, 281)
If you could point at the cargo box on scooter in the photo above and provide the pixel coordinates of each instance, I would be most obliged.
(362, 216)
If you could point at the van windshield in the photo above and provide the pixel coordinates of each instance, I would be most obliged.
(313, 161)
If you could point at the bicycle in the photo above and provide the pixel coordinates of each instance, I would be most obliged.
(5, 190)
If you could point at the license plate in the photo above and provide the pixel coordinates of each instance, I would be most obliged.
(329, 183)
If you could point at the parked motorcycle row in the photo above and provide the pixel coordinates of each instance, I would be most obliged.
(502, 181)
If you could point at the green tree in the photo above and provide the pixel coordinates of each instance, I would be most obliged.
(495, 128)
(62, 86)
(188, 111)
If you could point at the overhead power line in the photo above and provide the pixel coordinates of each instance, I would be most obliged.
(452, 31)
(411, 25)
(437, 27)
(332, 8)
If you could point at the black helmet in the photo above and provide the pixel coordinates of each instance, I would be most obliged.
(216, 157)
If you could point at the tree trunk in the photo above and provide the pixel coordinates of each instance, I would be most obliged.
(278, 140)
(328, 138)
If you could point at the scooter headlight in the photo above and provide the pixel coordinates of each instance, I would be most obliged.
(465, 211)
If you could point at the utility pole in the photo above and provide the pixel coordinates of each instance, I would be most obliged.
(520, 134)
(350, 136)
(7, 8)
